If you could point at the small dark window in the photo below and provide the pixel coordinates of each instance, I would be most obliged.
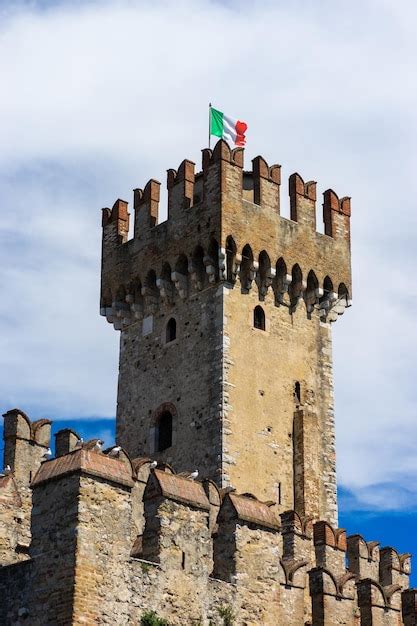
(164, 431)
(171, 331)
(259, 318)
(297, 392)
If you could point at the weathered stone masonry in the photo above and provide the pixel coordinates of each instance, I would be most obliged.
(112, 538)
(225, 314)
(224, 250)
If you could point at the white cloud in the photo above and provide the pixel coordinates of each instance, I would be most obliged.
(100, 96)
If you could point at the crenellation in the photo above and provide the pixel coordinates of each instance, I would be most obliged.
(332, 586)
(378, 605)
(182, 547)
(183, 542)
(394, 568)
(266, 183)
(237, 516)
(363, 557)
(222, 174)
(13, 542)
(302, 201)
(66, 440)
(25, 444)
(297, 533)
(297, 559)
(116, 223)
(146, 207)
(330, 546)
(180, 185)
(336, 215)
(333, 598)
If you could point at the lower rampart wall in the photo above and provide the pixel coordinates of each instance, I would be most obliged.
(113, 540)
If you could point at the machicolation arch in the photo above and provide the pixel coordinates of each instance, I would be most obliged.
(286, 257)
(200, 268)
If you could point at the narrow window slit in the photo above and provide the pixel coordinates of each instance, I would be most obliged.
(259, 318)
(164, 432)
(171, 330)
(297, 392)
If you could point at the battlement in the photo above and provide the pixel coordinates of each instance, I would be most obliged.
(224, 226)
(25, 444)
(146, 536)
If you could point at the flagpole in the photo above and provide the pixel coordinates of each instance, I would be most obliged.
(209, 123)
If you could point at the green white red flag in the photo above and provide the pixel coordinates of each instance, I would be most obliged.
(228, 128)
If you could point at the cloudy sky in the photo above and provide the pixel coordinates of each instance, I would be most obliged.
(100, 96)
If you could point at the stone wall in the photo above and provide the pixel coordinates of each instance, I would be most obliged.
(269, 434)
(26, 445)
(155, 376)
(113, 539)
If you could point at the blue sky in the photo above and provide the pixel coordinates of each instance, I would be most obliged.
(101, 96)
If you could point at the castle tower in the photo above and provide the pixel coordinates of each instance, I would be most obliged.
(225, 314)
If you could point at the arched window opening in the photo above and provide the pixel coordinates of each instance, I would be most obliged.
(327, 293)
(171, 330)
(212, 262)
(259, 318)
(247, 270)
(150, 280)
(135, 298)
(327, 286)
(180, 276)
(165, 284)
(134, 291)
(198, 274)
(150, 288)
(342, 292)
(150, 293)
(181, 265)
(230, 260)
(280, 283)
(164, 431)
(166, 273)
(296, 286)
(311, 293)
(264, 264)
(264, 277)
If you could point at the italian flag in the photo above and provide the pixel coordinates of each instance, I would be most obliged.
(228, 128)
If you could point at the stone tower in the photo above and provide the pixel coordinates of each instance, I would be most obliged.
(225, 314)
